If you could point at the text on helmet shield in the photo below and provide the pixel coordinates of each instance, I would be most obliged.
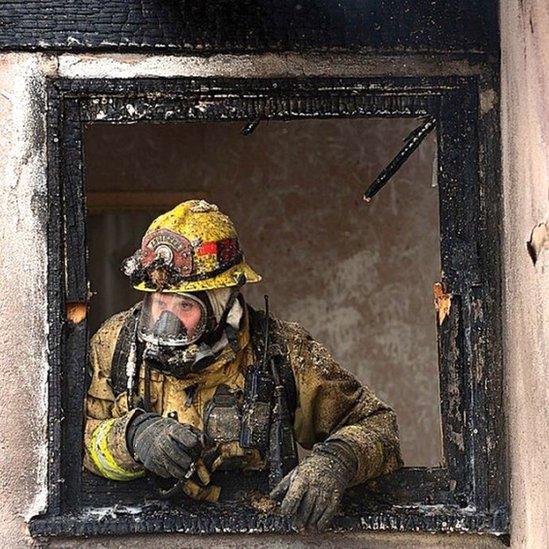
(172, 248)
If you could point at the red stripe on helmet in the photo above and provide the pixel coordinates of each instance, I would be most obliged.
(207, 248)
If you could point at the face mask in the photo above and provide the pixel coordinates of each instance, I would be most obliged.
(172, 320)
(179, 362)
(182, 333)
(171, 326)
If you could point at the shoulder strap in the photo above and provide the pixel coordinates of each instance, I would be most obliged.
(121, 351)
(282, 449)
(278, 350)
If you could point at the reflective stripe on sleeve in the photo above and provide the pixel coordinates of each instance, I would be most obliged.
(102, 457)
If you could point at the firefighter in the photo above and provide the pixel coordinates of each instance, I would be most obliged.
(192, 382)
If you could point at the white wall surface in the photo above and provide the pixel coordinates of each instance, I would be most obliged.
(23, 267)
(525, 132)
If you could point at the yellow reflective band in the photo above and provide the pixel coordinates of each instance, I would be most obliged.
(103, 458)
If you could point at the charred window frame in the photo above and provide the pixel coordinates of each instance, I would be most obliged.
(468, 493)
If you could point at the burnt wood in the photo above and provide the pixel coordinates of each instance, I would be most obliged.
(412, 142)
(238, 26)
(56, 305)
(489, 221)
(73, 197)
(469, 492)
(225, 518)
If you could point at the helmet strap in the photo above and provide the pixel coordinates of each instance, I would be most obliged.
(232, 337)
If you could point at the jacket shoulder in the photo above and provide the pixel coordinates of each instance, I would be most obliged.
(307, 355)
(110, 327)
(103, 342)
(292, 332)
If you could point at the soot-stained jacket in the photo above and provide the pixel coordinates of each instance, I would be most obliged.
(329, 403)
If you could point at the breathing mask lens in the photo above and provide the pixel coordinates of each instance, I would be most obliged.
(172, 320)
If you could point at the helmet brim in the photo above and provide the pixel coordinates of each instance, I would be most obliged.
(231, 277)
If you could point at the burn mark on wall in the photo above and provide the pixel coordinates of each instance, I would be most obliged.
(76, 312)
(443, 302)
(260, 25)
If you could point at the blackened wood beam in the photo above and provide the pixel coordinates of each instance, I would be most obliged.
(413, 141)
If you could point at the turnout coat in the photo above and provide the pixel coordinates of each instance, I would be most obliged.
(324, 401)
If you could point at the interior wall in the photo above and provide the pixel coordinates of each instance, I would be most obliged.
(525, 132)
(359, 277)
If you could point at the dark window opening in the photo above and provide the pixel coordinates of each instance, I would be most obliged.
(358, 277)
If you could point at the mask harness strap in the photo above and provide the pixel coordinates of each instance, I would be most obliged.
(147, 389)
(132, 367)
(131, 373)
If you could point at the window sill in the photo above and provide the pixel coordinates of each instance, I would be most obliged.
(204, 518)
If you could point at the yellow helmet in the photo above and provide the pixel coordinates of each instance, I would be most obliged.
(191, 248)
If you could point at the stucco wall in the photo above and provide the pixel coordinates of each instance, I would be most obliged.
(525, 127)
(326, 541)
(23, 321)
(23, 265)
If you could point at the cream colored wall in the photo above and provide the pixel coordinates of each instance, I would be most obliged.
(23, 267)
(525, 132)
(377, 540)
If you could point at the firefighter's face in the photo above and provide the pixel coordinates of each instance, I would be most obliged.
(187, 310)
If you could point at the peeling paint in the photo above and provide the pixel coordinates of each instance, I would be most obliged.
(443, 302)
(76, 312)
(539, 241)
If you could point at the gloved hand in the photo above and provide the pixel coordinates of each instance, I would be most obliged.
(311, 493)
(163, 445)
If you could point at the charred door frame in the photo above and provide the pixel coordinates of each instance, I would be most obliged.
(470, 492)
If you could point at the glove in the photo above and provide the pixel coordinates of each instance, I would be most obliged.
(163, 445)
(311, 493)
